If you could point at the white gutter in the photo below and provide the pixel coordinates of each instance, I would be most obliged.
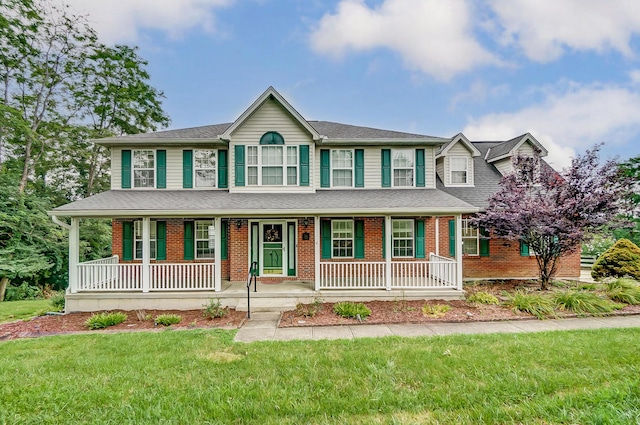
(60, 223)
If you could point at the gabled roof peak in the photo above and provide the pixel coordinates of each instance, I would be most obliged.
(510, 148)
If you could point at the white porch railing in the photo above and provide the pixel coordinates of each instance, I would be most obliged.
(352, 275)
(438, 272)
(108, 275)
(182, 277)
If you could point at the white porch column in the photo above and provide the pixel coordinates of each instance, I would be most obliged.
(317, 243)
(388, 234)
(74, 257)
(437, 235)
(459, 251)
(146, 253)
(217, 273)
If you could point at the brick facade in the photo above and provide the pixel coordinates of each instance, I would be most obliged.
(504, 260)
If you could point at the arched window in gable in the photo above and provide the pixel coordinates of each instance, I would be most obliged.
(272, 138)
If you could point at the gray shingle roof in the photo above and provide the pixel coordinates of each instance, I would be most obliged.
(203, 132)
(504, 148)
(334, 130)
(216, 202)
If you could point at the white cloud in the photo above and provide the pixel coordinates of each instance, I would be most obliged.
(545, 28)
(568, 122)
(121, 21)
(432, 36)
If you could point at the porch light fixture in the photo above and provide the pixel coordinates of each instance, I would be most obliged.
(305, 222)
(238, 224)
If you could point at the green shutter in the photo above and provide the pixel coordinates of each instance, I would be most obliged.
(419, 167)
(161, 240)
(524, 249)
(223, 169)
(161, 167)
(359, 160)
(126, 169)
(384, 238)
(188, 240)
(359, 239)
(239, 161)
(187, 169)
(224, 248)
(127, 241)
(484, 242)
(326, 239)
(304, 165)
(386, 167)
(452, 238)
(325, 168)
(419, 240)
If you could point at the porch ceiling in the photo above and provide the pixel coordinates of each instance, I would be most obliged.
(180, 203)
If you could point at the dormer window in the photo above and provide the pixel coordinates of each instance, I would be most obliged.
(459, 169)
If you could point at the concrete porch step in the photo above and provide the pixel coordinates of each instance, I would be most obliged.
(267, 304)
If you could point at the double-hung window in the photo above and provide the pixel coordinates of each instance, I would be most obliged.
(403, 166)
(403, 238)
(272, 165)
(342, 236)
(459, 168)
(144, 168)
(137, 239)
(342, 167)
(204, 238)
(204, 166)
(470, 238)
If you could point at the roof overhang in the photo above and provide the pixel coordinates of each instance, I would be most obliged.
(131, 142)
(458, 138)
(381, 142)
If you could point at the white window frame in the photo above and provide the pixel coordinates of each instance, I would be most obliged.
(466, 170)
(137, 239)
(254, 162)
(334, 167)
(470, 237)
(334, 239)
(197, 167)
(209, 225)
(134, 168)
(395, 238)
(412, 168)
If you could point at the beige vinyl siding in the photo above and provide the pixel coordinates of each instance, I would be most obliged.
(504, 166)
(440, 168)
(458, 149)
(270, 116)
(429, 166)
(116, 168)
(372, 168)
(174, 167)
(526, 149)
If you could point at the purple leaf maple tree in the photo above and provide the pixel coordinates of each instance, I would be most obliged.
(553, 212)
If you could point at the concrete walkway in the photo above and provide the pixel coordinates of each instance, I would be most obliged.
(263, 327)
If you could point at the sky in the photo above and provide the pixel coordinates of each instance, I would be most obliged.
(567, 71)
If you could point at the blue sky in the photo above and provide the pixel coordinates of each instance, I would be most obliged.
(568, 71)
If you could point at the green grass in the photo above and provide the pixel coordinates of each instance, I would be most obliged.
(203, 377)
(15, 310)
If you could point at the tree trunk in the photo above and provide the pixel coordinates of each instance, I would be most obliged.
(4, 281)
(25, 168)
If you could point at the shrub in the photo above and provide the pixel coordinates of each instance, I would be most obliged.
(309, 310)
(622, 259)
(482, 297)
(167, 319)
(538, 305)
(105, 319)
(214, 309)
(435, 310)
(351, 310)
(57, 301)
(624, 291)
(22, 292)
(581, 302)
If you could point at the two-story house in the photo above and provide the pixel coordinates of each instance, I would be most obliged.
(331, 209)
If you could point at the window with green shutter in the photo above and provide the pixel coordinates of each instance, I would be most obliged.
(359, 239)
(419, 231)
(359, 154)
(126, 169)
(188, 240)
(304, 165)
(386, 167)
(524, 249)
(420, 172)
(161, 240)
(187, 169)
(326, 238)
(325, 168)
(224, 248)
(239, 165)
(127, 241)
(223, 168)
(452, 238)
(161, 167)
(484, 242)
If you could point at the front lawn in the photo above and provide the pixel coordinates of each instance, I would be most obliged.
(15, 310)
(202, 376)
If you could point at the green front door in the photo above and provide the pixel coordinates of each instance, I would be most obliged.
(272, 252)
